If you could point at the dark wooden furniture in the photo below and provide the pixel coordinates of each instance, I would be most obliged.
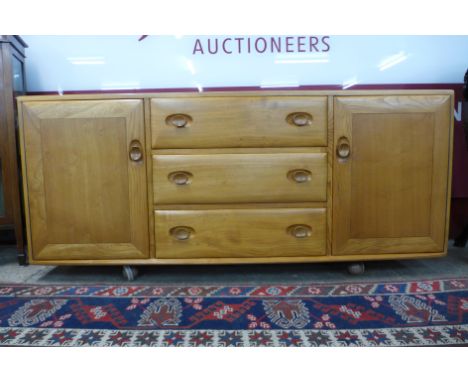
(12, 84)
(462, 238)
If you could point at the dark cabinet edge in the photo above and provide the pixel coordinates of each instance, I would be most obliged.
(17, 43)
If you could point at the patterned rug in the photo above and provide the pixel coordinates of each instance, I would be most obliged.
(431, 313)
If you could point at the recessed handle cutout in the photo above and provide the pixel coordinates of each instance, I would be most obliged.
(299, 119)
(300, 231)
(300, 175)
(180, 178)
(181, 233)
(179, 120)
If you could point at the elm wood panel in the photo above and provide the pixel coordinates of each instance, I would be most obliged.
(240, 233)
(240, 178)
(86, 178)
(299, 259)
(239, 206)
(259, 121)
(397, 176)
(244, 150)
(245, 260)
(83, 190)
(25, 196)
(388, 195)
(330, 157)
(105, 252)
(149, 175)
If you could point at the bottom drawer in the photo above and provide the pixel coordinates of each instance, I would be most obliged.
(272, 232)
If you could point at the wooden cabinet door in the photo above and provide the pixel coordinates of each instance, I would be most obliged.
(391, 174)
(86, 179)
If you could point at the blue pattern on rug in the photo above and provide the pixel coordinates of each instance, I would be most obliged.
(431, 312)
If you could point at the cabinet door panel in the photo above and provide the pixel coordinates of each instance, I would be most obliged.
(87, 198)
(390, 194)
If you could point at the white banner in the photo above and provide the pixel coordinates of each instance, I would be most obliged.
(61, 63)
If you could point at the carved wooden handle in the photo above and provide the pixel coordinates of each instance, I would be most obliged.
(299, 119)
(343, 148)
(300, 175)
(135, 151)
(300, 231)
(179, 120)
(180, 178)
(181, 233)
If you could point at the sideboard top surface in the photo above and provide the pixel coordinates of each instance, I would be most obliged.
(259, 93)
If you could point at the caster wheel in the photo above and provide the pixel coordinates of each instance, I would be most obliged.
(130, 273)
(356, 268)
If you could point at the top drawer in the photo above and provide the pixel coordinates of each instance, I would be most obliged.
(219, 122)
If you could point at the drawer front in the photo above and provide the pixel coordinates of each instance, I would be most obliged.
(211, 122)
(240, 233)
(239, 178)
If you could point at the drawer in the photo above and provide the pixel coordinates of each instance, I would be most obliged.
(210, 122)
(240, 178)
(273, 232)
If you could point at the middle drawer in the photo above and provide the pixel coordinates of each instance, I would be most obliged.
(239, 178)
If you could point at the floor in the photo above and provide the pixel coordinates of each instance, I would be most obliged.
(455, 264)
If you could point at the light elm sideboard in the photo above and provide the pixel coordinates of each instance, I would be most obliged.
(236, 177)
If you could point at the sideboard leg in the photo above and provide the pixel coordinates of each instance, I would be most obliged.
(23, 259)
(356, 268)
(130, 273)
(460, 240)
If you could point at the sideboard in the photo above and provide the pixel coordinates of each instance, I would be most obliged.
(236, 177)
